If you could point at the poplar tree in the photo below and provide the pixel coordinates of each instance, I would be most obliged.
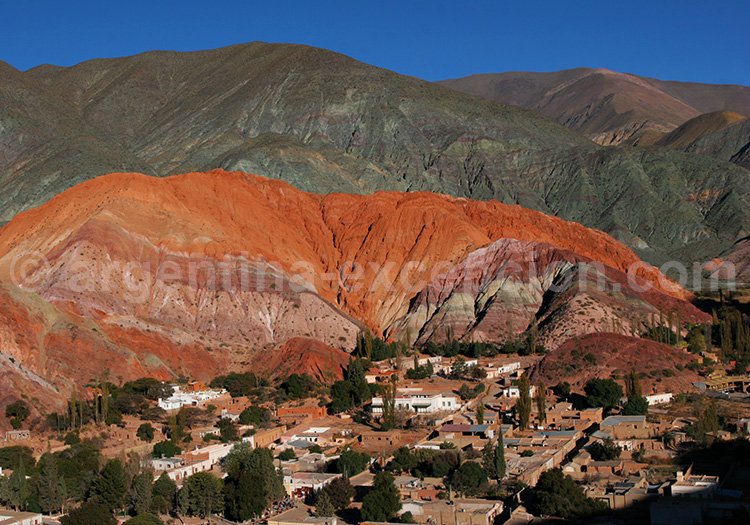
(541, 403)
(523, 404)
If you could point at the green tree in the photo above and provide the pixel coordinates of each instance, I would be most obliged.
(287, 455)
(605, 393)
(480, 412)
(633, 387)
(90, 513)
(255, 415)
(166, 489)
(110, 486)
(298, 386)
(470, 478)
(355, 374)
(18, 486)
(563, 389)
(365, 344)
(140, 493)
(228, 430)
(708, 419)
(458, 369)
(323, 506)
(145, 432)
(351, 463)
(523, 403)
(383, 501)
(204, 493)
(500, 465)
(10, 457)
(638, 406)
(342, 396)
(488, 459)
(541, 402)
(340, 492)
(166, 449)
(252, 484)
(389, 405)
(604, 451)
(50, 486)
(558, 495)
(17, 413)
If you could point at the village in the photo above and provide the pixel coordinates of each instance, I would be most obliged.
(436, 407)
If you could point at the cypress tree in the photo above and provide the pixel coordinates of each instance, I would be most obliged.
(500, 466)
(51, 486)
(488, 459)
(480, 412)
(324, 507)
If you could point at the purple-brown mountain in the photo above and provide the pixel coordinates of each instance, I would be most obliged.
(606, 106)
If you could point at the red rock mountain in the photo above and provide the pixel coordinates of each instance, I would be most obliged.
(195, 273)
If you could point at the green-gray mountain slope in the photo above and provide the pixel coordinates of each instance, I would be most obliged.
(326, 122)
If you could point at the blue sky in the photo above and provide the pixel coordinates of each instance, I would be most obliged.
(672, 40)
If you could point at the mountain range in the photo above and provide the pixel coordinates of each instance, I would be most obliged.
(607, 106)
(147, 276)
(138, 239)
(325, 123)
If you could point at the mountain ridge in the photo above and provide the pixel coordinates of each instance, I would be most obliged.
(607, 106)
(329, 123)
(198, 273)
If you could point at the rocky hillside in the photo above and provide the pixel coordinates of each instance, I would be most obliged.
(202, 272)
(730, 143)
(606, 106)
(325, 122)
(603, 355)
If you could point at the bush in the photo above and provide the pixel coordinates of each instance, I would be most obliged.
(558, 495)
(287, 455)
(166, 449)
(470, 478)
(603, 393)
(145, 432)
(72, 438)
(604, 451)
(351, 463)
(17, 411)
(90, 513)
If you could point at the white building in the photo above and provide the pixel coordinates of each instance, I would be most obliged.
(180, 398)
(417, 400)
(694, 486)
(659, 399)
(422, 361)
(508, 368)
(299, 482)
(514, 391)
(199, 460)
(494, 371)
(309, 434)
